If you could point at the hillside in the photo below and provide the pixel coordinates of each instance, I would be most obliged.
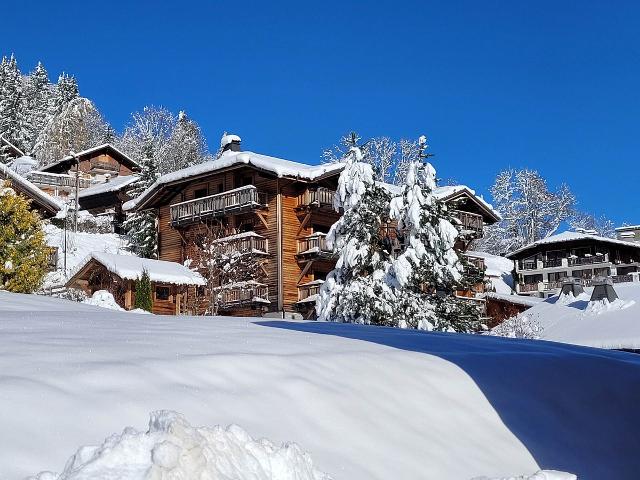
(365, 402)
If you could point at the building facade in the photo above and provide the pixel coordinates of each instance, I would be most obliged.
(274, 209)
(542, 266)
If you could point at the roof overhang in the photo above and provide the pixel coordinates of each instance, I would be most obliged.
(66, 162)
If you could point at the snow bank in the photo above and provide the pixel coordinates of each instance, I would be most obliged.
(498, 269)
(579, 321)
(367, 403)
(541, 475)
(171, 448)
(103, 299)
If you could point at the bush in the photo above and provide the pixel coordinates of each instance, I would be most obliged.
(144, 299)
(23, 251)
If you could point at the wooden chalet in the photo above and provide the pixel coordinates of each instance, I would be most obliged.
(95, 166)
(117, 275)
(43, 203)
(107, 198)
(288, 207)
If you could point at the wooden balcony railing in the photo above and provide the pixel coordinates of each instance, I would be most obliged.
(528, 287)
(315, 244)
(322, 197)
(552, 262)
(622, 278)
(49, 179)
(470, 221)
(247, 294)
(548, 286)
(587, 260)
(528, 264)
(309, 289)
(476, 262)
(219, 205)
(243, 243)
(101, 165)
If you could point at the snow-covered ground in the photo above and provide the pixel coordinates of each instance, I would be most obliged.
(498, 269)
(576, 321)
(79, 246)
(364, 402)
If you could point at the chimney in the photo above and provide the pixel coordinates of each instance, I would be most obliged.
(230, 142)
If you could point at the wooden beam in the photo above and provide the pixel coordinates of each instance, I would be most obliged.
(305, 270)
(304, 223)
(262, 219)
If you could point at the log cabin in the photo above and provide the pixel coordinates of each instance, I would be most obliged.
(288, 207)
(96, 165)
(117, 274)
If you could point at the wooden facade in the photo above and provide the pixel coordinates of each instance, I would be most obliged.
(291, 212)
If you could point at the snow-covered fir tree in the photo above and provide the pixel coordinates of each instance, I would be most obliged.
(140, 227)
(357, 289)
(429, 270)
(13, 123)
(38, 97)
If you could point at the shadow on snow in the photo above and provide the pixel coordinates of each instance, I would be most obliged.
(576, 409)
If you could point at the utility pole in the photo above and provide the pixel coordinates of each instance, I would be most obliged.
(76, 206)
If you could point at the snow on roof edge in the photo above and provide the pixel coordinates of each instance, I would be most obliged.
(30, 187)
(87, 151)
(569, 236)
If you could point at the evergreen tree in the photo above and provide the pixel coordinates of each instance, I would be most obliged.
(37, 94)
(64, 92)
(428, 272)
(356, 290)
(23, 252)
(12, 109)
(140, 227)
(144, 294)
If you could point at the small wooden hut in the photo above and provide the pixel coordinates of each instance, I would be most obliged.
(117, 274)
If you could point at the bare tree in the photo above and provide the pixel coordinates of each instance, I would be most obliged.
(226, 260)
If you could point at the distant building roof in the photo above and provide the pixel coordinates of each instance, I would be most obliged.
(42, 200)
(113, 185)
(66, 162)
(129, 267)
(572, 237)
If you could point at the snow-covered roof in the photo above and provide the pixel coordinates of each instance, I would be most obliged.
(449, 191)
(129, 267)
(89, 151)
(278, 166)
(227, 139)
(113, 185)
(7, 142)
(23, 164)
(527, 301)
(29, 189)
(571, 237)
(627, 227)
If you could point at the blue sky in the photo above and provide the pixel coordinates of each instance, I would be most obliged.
(548, 85)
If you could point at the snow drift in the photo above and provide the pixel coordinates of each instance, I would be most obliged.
(172, 449)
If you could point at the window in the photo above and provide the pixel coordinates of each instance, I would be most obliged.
(220, 188)
(200, 193)
(162, 293)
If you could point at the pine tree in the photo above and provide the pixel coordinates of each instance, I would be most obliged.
(428, 272)
(140, 227)
(144, 294)
(13, 122)
(23, 252)
(356, 290)
(37, 94)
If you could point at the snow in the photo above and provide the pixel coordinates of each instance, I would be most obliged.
(541, 475)
(113, 185)
(227, 139)
(172, 448)
(528, 301)
(498, 270)
(280, 167)
(573, 236)
(24, 184)
(237, 236)
(79, 246)
(23, 165)
(129, 267)
(447, 191)
(581, 322)
(367, 403)
(103, 299)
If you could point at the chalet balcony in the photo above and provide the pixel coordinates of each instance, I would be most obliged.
(57, 180)
(551, 286)
(528, 265)
(243, 294)
(308, 292)
(314, 246)
(573, 261)
(248, 242)
(527, 287)
(476, 262)
(321, 198)
(622, 278)
(470, 222)
(552, 263)
(103, 166)
(236, 201)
